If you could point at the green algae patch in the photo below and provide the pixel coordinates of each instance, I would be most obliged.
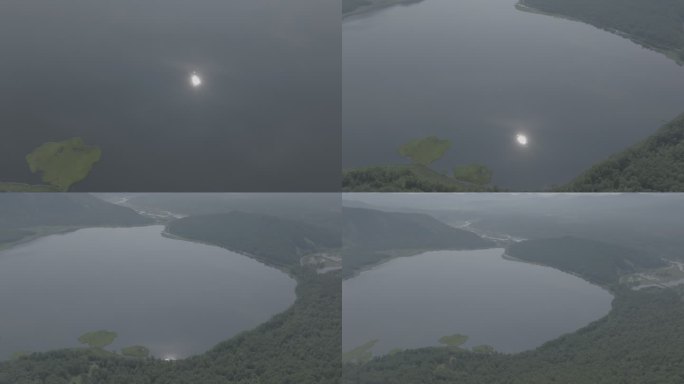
(455, 340)
(360, 354)
(137, 351)
(63, 163)
(98, 339)
(425, 151)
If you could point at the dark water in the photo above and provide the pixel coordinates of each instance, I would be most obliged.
(512, 306)
(479, 72)
(117, 73)
(175, 297)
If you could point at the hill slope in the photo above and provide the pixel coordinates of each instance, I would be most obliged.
(19, 210)
(655, 164)
(280, 242)
(654, 24)
(371, 236)
(596, 261)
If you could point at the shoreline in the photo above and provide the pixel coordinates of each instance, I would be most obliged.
(45, 231)
(375, 6)
(667, 52)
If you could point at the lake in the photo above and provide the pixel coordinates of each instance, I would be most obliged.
(118, 74)
(479, 72)
(177, 298)
(412, 302)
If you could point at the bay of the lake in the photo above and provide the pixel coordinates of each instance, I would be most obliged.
(177, 298)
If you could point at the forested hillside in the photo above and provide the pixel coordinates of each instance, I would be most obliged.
(277, 241)
(655, 164)
(18, 210)
(405, 178)
(596, 261)
(370, 236)
(655, 24)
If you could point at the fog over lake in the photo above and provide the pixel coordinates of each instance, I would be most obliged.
(118, 74)
(480, 72)
(175, 297)
(411, 302)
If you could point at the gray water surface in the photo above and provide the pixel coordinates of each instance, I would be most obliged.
(411, 302)
(175, 297)
(478, 72)
(117, 74)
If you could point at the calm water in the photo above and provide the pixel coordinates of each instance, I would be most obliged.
(479, 71)
(512, 306)
(177, 298)
(117, 73)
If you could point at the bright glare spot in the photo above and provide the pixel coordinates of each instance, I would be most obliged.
(195, 80)
(521, 139)
(169, 358)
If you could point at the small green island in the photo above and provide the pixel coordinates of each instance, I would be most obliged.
(98, 339)
(61, 164)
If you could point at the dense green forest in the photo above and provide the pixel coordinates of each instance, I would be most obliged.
(300, 345)
(654, 24)
(371, 236)
(278, 241)
(655, 164)
(405, 178)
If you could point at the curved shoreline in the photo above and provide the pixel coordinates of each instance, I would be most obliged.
(376, 5)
